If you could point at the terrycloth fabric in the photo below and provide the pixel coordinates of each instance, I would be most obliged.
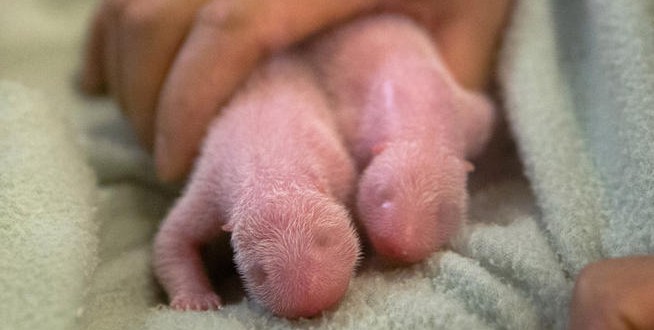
(576, 77)
(585, 126)
(48, 234)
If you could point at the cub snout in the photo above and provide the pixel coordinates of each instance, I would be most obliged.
(299, 261)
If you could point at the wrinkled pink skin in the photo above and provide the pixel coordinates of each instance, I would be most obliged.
(276, 172)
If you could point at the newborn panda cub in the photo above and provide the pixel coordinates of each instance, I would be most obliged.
(372, 100)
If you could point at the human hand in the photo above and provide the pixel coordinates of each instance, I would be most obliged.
(615, 294)
(467, 32)
(171, 64)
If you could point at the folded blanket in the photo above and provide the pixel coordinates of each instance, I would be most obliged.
(584, 126)
(47, 202)
(576, 79)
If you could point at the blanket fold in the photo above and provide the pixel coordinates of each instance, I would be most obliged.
(48, 233)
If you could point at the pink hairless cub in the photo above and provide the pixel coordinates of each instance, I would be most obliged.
(275, 170)
(275, 174)
(410, 129)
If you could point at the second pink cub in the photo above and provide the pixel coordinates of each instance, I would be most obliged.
(371, 100)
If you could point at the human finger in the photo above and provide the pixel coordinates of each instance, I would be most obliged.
(111, 12)
(614, 294)
(225, 44)
(470, 39)
(467, 33)
(151, 32)
(92, 75)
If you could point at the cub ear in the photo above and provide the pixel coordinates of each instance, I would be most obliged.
(228, 227)
(479, 121)
(378, 148)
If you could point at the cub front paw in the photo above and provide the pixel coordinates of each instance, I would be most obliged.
(196, 302)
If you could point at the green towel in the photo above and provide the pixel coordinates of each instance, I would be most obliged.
(48, 233)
